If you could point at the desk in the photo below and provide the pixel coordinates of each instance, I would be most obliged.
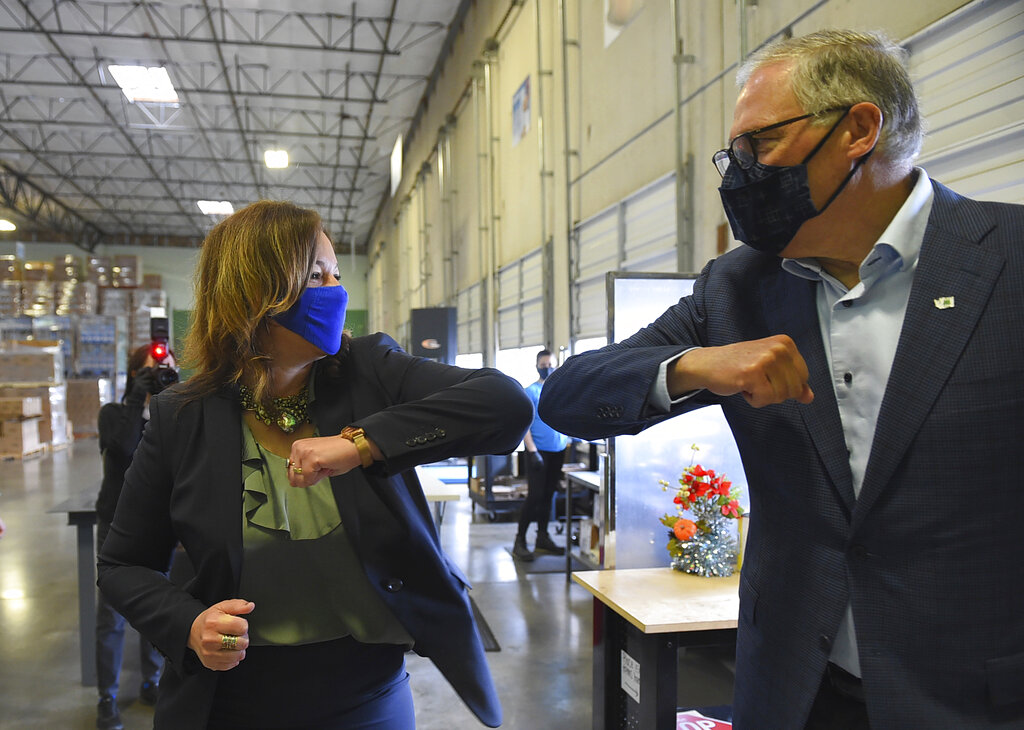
(586, 480)
(437, 493)
(641, 617)
(81, 512)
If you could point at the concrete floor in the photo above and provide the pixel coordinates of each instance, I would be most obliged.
(543, 626)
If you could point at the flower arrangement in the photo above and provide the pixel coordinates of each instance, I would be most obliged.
(704, 545)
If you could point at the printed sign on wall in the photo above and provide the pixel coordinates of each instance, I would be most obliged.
(521, 112)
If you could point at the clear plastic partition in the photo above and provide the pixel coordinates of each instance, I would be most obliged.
(635, 538)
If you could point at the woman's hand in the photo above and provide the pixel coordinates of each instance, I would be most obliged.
(219, 635)
(325, 456)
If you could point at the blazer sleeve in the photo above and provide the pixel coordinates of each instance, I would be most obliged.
(437, 411)
(605, 392)
(136, 555)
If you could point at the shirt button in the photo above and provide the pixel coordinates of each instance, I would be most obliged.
(848, 378)
(825, 642)
(848, 303)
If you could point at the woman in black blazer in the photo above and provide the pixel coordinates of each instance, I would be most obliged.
(283, 466)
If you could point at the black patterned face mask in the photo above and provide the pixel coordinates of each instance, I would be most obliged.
(767, 204)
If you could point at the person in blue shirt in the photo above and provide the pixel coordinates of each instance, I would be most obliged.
(545, 449)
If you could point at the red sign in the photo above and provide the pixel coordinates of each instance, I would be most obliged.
(693, 720)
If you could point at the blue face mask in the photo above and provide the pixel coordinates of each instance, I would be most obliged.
(545, 373)
(318, 317)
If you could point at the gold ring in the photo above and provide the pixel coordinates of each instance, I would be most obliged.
(297, 469)
(228, 642)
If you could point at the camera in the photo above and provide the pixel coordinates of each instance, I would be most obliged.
(165, 375)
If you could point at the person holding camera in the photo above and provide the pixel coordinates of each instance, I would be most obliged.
(545, 454)
(120, 430)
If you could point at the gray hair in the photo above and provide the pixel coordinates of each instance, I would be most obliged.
(840, 68)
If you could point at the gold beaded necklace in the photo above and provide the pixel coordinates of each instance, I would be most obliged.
(287, 413)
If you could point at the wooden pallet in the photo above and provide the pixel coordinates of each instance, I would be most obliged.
(34, 453)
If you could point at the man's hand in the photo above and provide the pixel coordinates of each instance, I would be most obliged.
(764, 371)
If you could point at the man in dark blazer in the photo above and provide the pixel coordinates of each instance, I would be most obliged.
(867, 348)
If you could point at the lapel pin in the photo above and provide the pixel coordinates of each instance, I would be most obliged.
(945, 303)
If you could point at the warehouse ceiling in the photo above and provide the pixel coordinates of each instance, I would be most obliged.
(332, 83)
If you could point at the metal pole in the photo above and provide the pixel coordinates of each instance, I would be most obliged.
(547, 275)
(493, 217)
(568, 155)
(684, 173)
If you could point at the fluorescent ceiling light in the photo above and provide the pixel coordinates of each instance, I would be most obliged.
(276, 159)
(142, 83)
(216, 207)
(6, 225)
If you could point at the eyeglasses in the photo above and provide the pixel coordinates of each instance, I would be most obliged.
(742, 150)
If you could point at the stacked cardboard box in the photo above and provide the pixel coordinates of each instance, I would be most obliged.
(10, 298)
(126, 271)
(31, 365)
(20, 408)
(75, 297)
(97, 270)
(19, 438)
(10, 286)
(10, 268)
(54, 426)
(19, 426)
(67, 268)
(32, 392)
(85, 398)
(37, 298)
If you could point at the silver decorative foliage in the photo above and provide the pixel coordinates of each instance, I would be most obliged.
(709, 553)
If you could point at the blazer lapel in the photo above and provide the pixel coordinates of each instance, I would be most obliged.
(793, 309)
(952, 285)
(222, 420)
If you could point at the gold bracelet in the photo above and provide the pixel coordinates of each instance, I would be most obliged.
(358, 437)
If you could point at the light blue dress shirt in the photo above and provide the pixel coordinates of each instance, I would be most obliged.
(860, 329)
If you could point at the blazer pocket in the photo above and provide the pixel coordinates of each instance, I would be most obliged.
(457, 572)
(1005, 677)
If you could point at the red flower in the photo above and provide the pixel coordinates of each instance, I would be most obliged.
(684, 529)
(678, 499)
(731, 508)
(698, 471)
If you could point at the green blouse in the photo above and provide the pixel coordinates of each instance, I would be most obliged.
(298, 565)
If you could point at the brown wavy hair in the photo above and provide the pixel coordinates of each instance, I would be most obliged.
(253, 265)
